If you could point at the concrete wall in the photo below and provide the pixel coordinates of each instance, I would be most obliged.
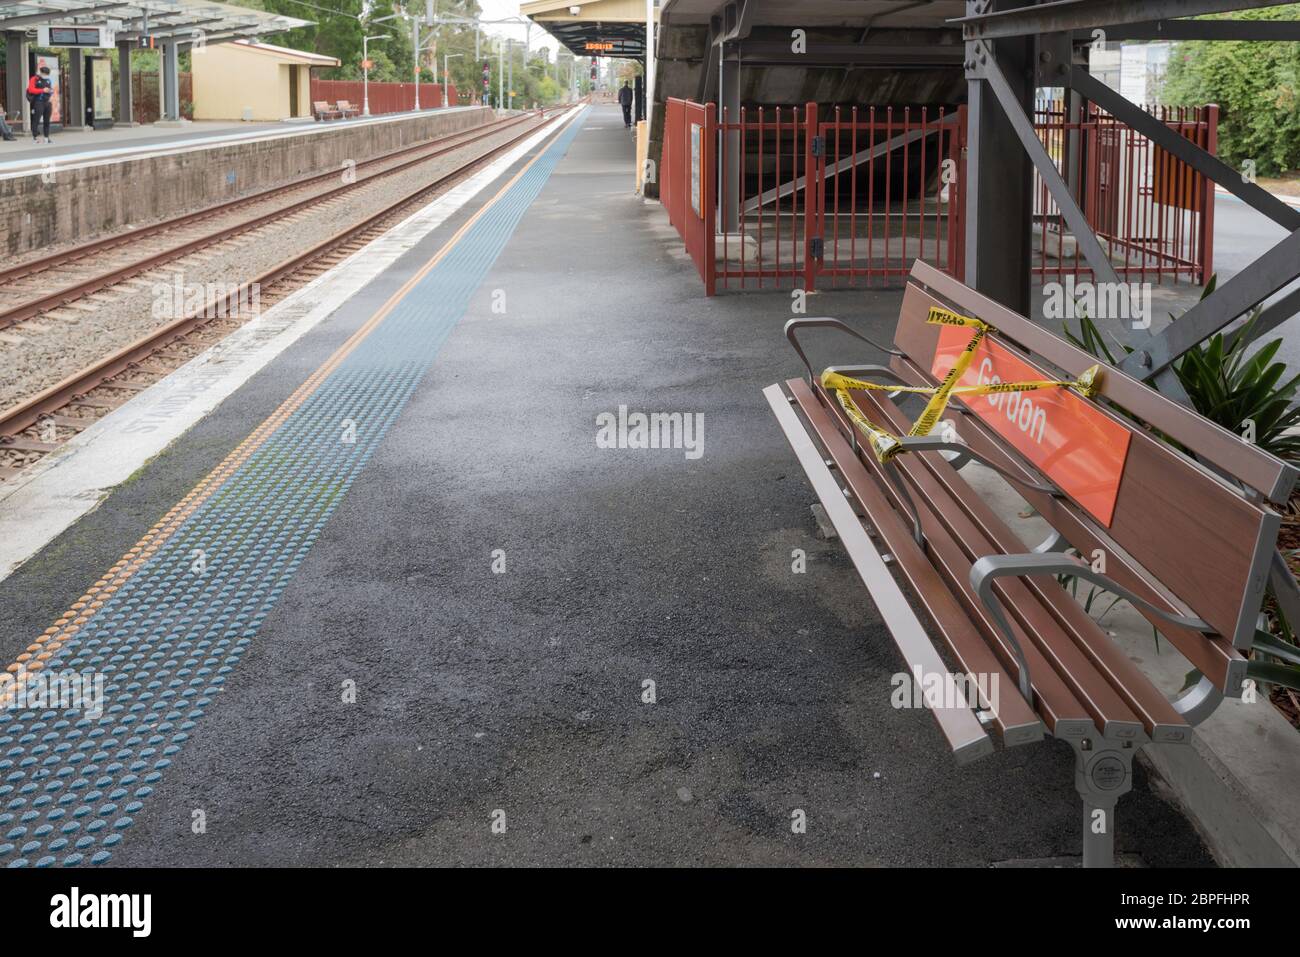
(80, 203)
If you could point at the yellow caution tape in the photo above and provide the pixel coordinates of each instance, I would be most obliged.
(885, 444)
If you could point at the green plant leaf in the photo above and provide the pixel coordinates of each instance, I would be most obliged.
(1275, 646)
(1287, 676)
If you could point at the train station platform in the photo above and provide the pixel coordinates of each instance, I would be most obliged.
(85, 185)
(129, 142)
(404, 597)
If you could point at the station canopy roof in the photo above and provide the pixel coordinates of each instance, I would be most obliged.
(182, 20)
(614, 28)
(883, 14)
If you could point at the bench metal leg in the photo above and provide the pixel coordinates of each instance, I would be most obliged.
(1101, 775)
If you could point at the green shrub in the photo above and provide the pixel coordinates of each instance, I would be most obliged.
(1257, 87)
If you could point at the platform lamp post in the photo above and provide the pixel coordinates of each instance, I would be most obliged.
(415, 55)
(365, 71)
(446, 76)
(415, 30)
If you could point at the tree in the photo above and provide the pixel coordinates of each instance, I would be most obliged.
(336, 31)
(1257, 87)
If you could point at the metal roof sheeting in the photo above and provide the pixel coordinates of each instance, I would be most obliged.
(182, 19)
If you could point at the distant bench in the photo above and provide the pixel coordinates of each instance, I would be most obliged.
(322, 110)
(1190, 549)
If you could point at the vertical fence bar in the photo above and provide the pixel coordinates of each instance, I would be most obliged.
(709, 188)
(776, 220)
(811, 188)
(839, 121)
(724, 182)
(853, 201)
(743, 138)
(889, 193)
(908, 128)
(1207, 203)
(796, 150)
(762, 256)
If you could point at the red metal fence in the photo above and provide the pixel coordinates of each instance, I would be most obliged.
(1153, 213)
(888, 188)
(384, 97)
(688, 183)
(769, 222)
(890, 184)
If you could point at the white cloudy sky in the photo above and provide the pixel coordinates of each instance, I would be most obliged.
(499, 9)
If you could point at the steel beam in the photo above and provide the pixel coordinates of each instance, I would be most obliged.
(729, 154)
(708, 85)
(1249, 30)
(999, 188)
(1265, 276)
(1028, 19)
(57, 16)
(1182, 148)
(125, 107)
(1274, 314)
(76, 118)
(778, 52)
(163, 31)
(1097, 257)
(16, 78)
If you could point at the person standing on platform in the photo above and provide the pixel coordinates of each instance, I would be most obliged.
(625, 101)
(39, 91)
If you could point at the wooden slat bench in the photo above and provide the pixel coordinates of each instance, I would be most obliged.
(1188, 537)
(347, 110)
(322, 110)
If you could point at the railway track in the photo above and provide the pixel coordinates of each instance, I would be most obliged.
(39, 425)
(92, 268)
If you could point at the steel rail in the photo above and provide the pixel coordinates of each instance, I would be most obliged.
(24, 269)
(27, 413)
(67, 294)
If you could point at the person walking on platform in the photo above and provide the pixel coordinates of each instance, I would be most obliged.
(625, 101)
(39, 91)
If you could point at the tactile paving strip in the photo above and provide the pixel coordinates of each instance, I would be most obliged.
(168, 623)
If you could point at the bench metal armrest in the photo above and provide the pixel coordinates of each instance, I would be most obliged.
(1194, 705)
(794, 325)
(934, 443)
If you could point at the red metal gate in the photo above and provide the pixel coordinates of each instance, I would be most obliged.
(888, 188)
(687, 180)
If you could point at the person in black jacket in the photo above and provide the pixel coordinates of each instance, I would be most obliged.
(39, 92)
(625, 100)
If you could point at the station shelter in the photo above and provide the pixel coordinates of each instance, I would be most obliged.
(77, 39)
(248, 80)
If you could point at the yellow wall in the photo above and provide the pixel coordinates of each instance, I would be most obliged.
(606, 11)
(228, 80)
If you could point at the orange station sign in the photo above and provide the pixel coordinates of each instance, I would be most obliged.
(1071, 441)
